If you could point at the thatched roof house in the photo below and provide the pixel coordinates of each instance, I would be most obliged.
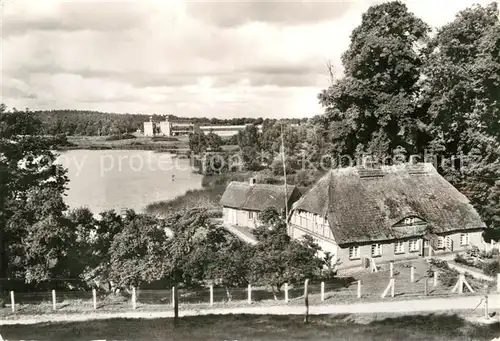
(242, 201)
(391, 203)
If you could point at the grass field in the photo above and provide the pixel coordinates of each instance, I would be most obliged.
(265, 327)
(341, 290)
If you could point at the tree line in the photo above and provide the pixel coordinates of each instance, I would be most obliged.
(96, 123)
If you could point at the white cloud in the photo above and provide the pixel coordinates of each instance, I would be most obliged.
(212, 59)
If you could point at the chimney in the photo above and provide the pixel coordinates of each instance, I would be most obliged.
(252, 181)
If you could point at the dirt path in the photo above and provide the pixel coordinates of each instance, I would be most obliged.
(421, 305)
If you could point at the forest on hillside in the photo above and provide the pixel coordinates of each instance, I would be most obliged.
(96, 123)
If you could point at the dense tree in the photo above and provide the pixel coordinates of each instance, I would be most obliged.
(372, 108)
(139, 253)
(278, 259)
(198, 142)
(213, 141)
(196, 239)
(228, 266)
(271, 138)
(249, 143)
(492, 212)
(98, 244)
(462, 92)
(31, 205)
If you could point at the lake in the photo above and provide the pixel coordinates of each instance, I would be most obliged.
(119, 179)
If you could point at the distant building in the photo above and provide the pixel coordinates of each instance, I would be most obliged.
(149, 127)
(389, 213)
(226, 130)
(242, 202)
(170, 127)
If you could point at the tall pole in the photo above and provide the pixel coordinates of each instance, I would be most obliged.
(284, 174)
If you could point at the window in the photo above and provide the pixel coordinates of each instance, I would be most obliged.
(250, 215)
(413, 245)
(376, 250)
(464, 239)
(354, 252)
(449, 243)
(409, 221)
(399, 247)
(440, 242)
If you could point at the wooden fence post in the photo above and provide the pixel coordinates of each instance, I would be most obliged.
(249, 294)
(211, 295)
(94, 298)
(390, 286)
(391, 269)
(173, 297)
(54, 300)
(425, 285)
(435, 278)
(176, 305)
(286, 292)
(498, 282)
(134, 298)
(12, 301)
(322, 291)
(460, 285)
(359, 289)
(412, 274)
(306, 301)
(486, 313)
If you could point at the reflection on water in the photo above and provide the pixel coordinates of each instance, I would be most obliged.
(119, 179)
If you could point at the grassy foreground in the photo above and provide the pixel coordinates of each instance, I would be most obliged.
(264, 327)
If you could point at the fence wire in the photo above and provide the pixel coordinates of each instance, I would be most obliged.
(328, 292)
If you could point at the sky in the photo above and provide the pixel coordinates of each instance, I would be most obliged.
(191, 59)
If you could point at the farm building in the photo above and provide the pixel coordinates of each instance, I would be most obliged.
(386, 213)
(243, 201)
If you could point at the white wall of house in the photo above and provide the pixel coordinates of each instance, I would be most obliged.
(237, 217)
(407, 248)
(305, 223)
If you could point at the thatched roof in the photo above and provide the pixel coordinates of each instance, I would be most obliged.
(363, 205)
(256, 197)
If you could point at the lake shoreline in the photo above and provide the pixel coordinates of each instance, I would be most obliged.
(178, 145)
(160, 149)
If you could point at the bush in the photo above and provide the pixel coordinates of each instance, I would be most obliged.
(164, 138)
(304, 178)
(62, 140)
(267, 177)
(491, 268)
(473, 251)
(120, 137)
(448, 277)
(486, 254)
(460, 259)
